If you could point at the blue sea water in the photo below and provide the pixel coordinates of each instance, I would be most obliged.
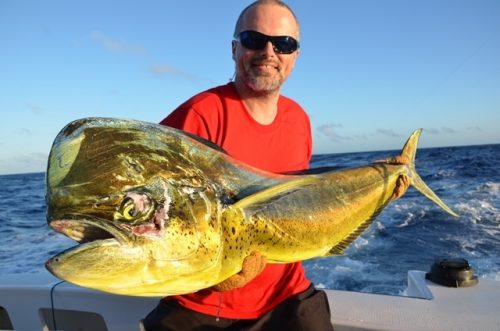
(409, 234)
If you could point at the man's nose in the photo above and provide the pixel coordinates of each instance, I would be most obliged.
(269, 49)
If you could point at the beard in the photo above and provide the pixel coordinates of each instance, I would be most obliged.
(263, 81)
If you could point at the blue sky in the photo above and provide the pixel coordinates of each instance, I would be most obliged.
(369, 72)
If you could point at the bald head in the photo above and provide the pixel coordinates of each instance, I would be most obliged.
(262, 66)
(247, 18)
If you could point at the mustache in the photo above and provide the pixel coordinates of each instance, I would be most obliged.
(260, 62)
(265, 62)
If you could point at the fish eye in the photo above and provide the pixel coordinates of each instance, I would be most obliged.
(128, 210)
(135, 208)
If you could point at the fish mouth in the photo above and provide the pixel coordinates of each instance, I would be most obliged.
(87, 229)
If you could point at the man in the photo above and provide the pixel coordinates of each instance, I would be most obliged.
(252, 122)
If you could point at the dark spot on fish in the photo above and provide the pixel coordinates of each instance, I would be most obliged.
(233, 230)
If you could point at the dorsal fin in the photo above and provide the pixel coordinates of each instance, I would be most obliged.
(205, 142)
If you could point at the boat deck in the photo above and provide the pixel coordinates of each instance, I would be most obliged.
(42, 302)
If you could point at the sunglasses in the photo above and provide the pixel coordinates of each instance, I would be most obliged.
(257, 41)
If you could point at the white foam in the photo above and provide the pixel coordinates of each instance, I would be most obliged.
(446, 173)
(478, 210)
(489, 187)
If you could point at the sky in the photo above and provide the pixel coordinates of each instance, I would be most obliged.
(369, 71)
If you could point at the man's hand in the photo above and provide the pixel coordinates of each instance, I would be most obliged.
(403, 181)
(252, 266)
(402, 185)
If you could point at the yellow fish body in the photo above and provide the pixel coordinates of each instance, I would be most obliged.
(160, 212)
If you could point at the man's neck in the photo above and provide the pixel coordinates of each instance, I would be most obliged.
(263, 107)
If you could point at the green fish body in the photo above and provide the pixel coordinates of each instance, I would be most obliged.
(160, 212)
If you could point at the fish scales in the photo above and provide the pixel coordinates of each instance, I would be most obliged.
(298, 226)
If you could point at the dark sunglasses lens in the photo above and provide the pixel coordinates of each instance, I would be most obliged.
(256, 41)
(253, 40)
(285, 45)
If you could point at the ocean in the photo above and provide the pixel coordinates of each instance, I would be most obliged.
(410, 234)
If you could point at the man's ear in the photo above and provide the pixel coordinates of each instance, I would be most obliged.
(233, 49)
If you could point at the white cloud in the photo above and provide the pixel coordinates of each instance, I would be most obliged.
(388, 132)
(330, 131)
(24, 132)
(475, 128)
(34, 108)
(443, 130)
(448, 130)
(32, 162)
(162, 70)
(116, 45)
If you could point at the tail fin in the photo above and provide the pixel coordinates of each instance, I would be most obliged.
(409, 151)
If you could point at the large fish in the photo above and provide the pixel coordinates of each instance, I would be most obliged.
(159, 212)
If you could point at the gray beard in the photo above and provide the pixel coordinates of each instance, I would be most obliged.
(264, 84)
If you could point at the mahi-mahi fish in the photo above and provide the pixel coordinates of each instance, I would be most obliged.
(160, 212)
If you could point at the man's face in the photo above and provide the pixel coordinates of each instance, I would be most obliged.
(265, 70)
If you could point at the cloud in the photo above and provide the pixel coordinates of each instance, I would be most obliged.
(34, 108)
(330, 131)
(432, 131)
(443, 130)
(475, 128)
(162, 70)
(362, 136)
(448, 130)
(388, 132)
(115, 45)
(38, 158)
(24, 132)
(32, 162)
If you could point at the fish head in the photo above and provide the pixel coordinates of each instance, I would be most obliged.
(140, 228)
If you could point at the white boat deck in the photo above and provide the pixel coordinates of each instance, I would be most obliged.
(431, 307)
(35, 301)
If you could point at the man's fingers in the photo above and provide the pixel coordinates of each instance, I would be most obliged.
(402, 185)
(252, 266)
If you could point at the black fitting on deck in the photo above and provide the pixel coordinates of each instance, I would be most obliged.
(452, 273)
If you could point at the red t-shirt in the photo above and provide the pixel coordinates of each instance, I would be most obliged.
(220, 116)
